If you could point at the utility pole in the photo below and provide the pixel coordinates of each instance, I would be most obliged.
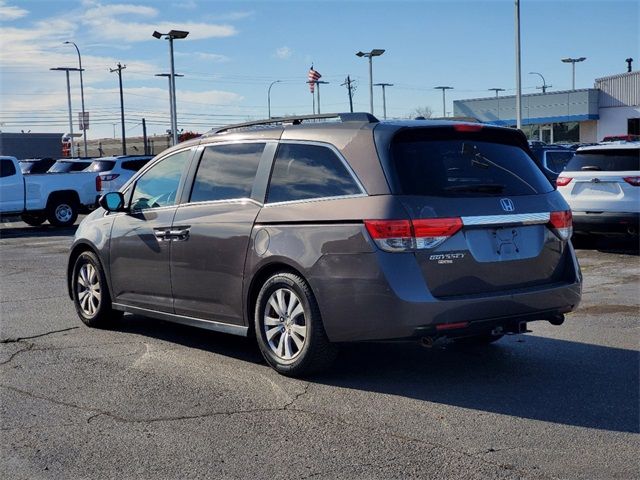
(124, 138)
(384, 97)
(444, 103)
(518, 67)
(144, 136)
(67, 70)
(347, 83)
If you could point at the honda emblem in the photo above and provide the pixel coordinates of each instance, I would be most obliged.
(507, 205)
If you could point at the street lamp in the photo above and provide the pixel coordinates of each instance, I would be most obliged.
(269, 96)
(376, 52)
(84, 118)
(573, 62)
(544, 84)
(171, 36)
(67, 70)
(497, 90)
(318, 83)
(444, 110)
(384, 97)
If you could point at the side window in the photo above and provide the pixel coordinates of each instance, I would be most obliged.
(7, 168)
(158, 186)
(308, 171)
(226, 172)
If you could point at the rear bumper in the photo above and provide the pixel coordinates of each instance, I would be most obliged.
(390, 300)
(607, 223)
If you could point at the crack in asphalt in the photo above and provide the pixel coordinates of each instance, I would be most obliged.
(18, 352)
(20, 339)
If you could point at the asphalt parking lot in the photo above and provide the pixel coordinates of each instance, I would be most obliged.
(150, 399)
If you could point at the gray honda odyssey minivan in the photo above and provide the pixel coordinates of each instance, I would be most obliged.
(311, 231)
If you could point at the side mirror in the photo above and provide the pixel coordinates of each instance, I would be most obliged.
(112, 202)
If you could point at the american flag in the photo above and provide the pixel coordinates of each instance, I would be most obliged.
(313, 76)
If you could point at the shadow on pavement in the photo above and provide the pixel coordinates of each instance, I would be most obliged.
(526, 376)
(619, 245)
(44, 231)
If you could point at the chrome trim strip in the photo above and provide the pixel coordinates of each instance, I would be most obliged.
(184, 320)
(320, 199)
(519, 218)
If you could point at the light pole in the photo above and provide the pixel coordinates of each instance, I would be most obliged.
(269, 96)
(84, 118)
(518, 67)
(168, 75)
(171, 36)
(384, 97)
(376, 52)
(444, 108)
(573, 62)
(544, 84)
(67, 70)
(497, 90)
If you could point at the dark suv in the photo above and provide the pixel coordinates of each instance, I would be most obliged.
(310, 231)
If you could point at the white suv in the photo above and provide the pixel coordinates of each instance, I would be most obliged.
(116, 171)
(601, 183)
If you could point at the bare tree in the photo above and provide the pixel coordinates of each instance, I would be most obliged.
(424, 112)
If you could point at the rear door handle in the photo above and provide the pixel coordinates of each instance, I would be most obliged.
(162, 234)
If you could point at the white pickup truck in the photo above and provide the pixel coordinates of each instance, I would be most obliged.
(57, 197)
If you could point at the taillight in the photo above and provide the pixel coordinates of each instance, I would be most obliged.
(561, 223)
(467, 127)
(635, 181)
(108, 178)
(403, 235)
(563, 181)
(98, 183)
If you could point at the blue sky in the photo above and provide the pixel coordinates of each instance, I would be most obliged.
(236, 49)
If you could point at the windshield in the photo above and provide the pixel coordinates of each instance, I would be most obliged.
(614, 160)
(465, 167)
(558, 159)
(26, 166)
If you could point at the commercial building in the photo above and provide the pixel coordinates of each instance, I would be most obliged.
(612, 107)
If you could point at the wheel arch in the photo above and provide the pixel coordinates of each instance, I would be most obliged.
(71, 194)
(75, 252)
(258, 279)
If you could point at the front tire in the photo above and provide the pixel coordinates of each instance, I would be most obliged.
(289, 328)
(62, 212)
(90, 292)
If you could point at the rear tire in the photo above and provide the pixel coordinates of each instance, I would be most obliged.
(33, 219)
(289, 329)
(91, 293)
(62, 211)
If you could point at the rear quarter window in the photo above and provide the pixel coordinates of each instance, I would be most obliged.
(463, 164)
(134, 165)
(605, 160)
(303, 172)
(101, 166)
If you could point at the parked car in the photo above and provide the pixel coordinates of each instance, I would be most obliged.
(39, 197)
(601, 185)
(553, 158)
(622, 138)
(309, 233)
(36, 165)
(116, 171)
(68, 165)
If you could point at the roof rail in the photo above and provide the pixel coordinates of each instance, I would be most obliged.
(297, 120)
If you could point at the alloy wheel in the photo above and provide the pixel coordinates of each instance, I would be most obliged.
(285, 324)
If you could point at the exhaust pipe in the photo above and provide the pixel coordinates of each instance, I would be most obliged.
(427, 342)
(556, 319)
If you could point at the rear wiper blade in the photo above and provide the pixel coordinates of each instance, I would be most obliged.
(480, 188)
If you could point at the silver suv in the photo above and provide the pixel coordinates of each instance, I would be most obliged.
(311, 231)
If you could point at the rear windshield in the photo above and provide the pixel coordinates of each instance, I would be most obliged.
(135, 165)
(606, 160)
(65, 167)
(101, 166)
(464, 165)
